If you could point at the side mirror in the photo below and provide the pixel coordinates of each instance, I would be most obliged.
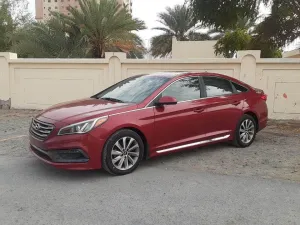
(166, 100)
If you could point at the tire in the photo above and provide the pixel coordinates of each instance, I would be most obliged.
(245, 132)
(118, 159)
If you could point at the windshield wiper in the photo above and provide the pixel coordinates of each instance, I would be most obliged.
(113, 100)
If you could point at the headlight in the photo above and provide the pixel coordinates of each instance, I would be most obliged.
(82, 127)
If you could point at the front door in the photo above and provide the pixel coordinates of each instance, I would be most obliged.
(181, 124)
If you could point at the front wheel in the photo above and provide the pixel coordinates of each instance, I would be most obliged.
(245, 132)
(123, 152)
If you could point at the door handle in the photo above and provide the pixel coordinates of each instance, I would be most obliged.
(199, 110)
(236, 103)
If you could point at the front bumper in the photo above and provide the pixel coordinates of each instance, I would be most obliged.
(71, 152)
(61, 156)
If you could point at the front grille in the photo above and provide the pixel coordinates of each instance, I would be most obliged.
(40, 130)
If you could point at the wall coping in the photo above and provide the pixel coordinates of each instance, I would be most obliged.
(130, 61)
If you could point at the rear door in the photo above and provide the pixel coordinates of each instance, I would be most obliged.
(223, 106)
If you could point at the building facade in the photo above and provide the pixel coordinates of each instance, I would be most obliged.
(44, 7)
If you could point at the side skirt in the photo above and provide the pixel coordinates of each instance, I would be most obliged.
(193, 144)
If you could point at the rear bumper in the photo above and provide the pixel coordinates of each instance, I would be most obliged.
(71, 152)
(263, 124)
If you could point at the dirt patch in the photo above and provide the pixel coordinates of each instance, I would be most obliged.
(14, 113)
(284, 126)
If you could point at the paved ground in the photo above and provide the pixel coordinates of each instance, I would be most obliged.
(213, 185)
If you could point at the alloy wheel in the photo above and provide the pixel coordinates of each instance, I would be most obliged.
(125, 153)
(247, 131)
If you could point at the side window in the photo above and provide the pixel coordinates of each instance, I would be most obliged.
(217, 86)
(184, 90)
(239, 88)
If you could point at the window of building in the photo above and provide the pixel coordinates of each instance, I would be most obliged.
(217, 86)
(49, 0)
(239, 88)
(55, 7)
(184, 90)
(49, 7)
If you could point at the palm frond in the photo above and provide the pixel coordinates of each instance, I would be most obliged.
(88, 31)
(178, 22)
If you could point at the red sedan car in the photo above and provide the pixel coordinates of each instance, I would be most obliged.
(146, 116)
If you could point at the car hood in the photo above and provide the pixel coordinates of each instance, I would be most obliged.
(73, 111)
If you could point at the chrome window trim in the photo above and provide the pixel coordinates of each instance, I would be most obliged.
(150, 107)
(204, 98)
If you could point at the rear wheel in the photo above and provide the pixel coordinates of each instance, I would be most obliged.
(123, 152)
(245, 132)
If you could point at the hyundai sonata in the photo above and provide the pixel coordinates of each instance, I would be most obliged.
(146, 116)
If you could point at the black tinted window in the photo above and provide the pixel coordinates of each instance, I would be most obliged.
(217, 86)
(184, 89)
(133, 90)
(239, 88)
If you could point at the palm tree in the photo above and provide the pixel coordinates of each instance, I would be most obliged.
(176, 22)
(92, 30)
(106, 25)
(52, 39)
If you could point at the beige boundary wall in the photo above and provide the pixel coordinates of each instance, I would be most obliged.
(40, 83)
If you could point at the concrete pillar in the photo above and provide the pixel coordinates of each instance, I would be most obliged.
(5, 58)
(248, 65)
(115, 66)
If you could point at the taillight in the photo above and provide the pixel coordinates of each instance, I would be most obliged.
(264, 97)
(260, 92)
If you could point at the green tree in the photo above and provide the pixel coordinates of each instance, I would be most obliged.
(6, 26)
(106, 26)
(282, 26)
(12, 18)
(52, 39)
(96, 28)
(244, 37)
(233, 42)
(176, 22)
(224, 14)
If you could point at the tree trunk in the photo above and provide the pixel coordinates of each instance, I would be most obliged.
(98, 50)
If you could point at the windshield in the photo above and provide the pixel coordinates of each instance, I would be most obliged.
(133, 90)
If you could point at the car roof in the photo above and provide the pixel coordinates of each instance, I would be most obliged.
(169, 74)
(180, 74)
(174, 74)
